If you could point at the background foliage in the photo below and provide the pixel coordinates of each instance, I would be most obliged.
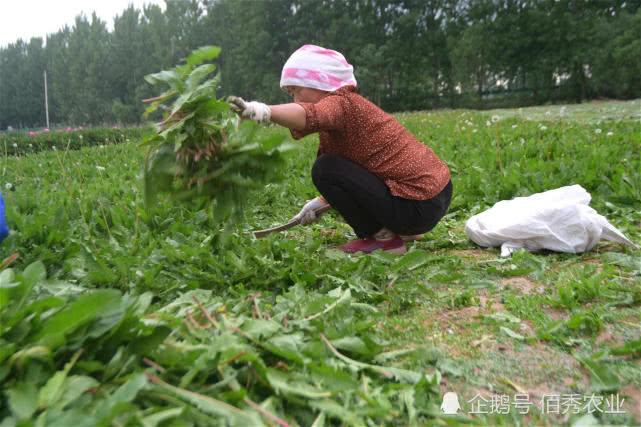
(18, 143)
(408, 54)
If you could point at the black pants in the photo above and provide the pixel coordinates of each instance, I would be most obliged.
(365, 201)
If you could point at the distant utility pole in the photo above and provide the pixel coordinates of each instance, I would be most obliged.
(46, 100)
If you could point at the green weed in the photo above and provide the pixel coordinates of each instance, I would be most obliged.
(307, 333)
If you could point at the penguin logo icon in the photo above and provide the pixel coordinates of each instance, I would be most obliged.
(450, 405)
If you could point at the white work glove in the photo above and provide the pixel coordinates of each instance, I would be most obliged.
(307, 215)
(253, 110)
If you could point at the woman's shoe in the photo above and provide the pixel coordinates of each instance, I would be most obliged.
(394, 245)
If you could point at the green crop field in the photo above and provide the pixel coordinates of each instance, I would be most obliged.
(115, 315)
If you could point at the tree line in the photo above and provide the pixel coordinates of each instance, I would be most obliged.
(408, 54)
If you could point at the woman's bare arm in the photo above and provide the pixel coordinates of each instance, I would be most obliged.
(291, 115)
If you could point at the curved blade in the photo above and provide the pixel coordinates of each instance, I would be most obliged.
(262, 233)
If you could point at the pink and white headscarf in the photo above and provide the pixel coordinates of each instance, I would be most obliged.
(317, 68)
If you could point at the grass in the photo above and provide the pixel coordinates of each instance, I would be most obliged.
(536, 324)
(593, 112)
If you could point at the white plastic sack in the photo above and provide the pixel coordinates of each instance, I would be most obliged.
(559, 220)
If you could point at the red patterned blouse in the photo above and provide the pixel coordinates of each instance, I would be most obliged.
(353, 127)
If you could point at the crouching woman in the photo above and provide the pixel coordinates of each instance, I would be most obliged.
(386, 184)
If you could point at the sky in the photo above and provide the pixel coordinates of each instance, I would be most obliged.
(36, 18)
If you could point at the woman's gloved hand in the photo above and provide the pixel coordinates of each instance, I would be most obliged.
(307, 215)
(253, 110)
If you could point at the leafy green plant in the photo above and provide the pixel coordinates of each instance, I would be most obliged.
(602, 376)
(100, 356)
(585, 322)
(582, 323)
(201, 150)
(140, 360)
(61, 342)
(631, 348)
(302, 358)
(465, 298)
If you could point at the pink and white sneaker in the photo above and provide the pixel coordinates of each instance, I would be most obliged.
(394, 245)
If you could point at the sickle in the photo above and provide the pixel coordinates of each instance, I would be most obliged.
(294, 222)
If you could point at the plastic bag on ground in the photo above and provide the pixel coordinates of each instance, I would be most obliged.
(558, 220)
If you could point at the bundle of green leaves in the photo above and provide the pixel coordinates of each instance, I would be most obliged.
(201, 150)
(74, 356)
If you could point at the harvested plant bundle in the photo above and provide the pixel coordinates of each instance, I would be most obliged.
(201, 150)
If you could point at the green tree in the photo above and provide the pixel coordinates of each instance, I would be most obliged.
(58, 76)
(125, 67)
(88, 75)
(407, 54)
